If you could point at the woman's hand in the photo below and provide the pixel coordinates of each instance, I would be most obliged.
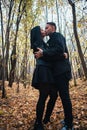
(65, 55)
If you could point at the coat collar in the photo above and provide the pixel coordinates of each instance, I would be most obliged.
(52, 34)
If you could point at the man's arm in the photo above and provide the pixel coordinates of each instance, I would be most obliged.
(55, 52)
(39, 54)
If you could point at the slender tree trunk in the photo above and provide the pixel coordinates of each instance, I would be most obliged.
(13, 55)
(73, 74)
(77, 38)
(52, 12)
(3, 61)
(58, 15)
(7, 43)
(46, 11)
(13, 64)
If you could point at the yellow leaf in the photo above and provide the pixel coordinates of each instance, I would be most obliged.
(1, 112)
(79, 25)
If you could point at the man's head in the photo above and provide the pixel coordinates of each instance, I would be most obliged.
(50, 28)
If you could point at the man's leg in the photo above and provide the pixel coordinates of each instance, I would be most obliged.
(63, 87)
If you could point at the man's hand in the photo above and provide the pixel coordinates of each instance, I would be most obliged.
(65, 55)
(39, 53)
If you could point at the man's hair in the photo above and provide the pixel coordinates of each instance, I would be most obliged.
(52, 23)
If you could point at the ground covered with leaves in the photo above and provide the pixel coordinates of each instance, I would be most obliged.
(17, 111)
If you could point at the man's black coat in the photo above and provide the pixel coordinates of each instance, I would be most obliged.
(57, 46)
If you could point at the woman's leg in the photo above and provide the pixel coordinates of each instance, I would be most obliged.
(51, 103)
(43, 94)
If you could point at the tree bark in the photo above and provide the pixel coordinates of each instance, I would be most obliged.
(13, 55)
(58, 15)
(7, 42)
(3, 60)
(77, 38)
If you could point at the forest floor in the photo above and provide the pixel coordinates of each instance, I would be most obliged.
(17, 111)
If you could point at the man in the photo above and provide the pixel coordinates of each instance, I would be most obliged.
(61, 72)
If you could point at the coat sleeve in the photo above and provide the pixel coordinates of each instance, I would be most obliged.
(54, 58)
(55, 51)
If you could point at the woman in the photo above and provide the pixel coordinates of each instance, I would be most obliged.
(42, 78)
(42, 73)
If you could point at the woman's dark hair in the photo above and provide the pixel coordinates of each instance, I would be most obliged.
(35, 37)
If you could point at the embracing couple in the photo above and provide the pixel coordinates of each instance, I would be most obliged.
(51, 75)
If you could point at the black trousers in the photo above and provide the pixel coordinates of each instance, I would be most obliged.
(45, 91)
(62, 85)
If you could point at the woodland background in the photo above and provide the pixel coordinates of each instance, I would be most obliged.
(17, 62)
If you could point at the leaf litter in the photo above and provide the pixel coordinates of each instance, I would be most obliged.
(17, 111)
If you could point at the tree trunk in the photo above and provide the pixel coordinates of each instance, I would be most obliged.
(13, 64)
(46, 11)
(77, 38)
(58, 15)
(7, 43)
(3, 61)
(13, 55)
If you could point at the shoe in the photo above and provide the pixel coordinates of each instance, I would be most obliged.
(38, 126)
(45, 121)
(67, 128)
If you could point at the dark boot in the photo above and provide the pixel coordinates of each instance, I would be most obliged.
(46, 120)
(38, 126)
(65, 127)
